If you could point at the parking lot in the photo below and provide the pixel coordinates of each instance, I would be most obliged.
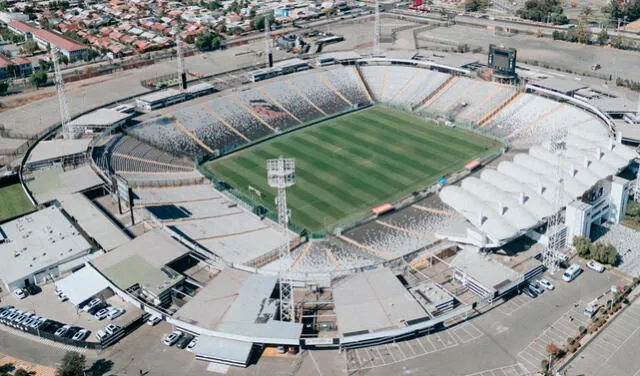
(614, 351)
(387, 354)
(557, 333)
(47, 305)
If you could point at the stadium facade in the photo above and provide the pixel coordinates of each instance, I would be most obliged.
(432, 244)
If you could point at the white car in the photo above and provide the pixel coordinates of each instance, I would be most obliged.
(20, 294)
(115, 312)
(151, 321)
(91, 304)
(111, 328)
(101, 335)
(101, 314)
(594, 265)
(172, 338)
(546, 284)
(80, 335)
(62, 331)
(62, 297)
(192, 344)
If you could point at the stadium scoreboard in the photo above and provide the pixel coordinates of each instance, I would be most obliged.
(503, 61)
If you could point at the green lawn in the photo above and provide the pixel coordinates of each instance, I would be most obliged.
(14, 202)
(348, 165)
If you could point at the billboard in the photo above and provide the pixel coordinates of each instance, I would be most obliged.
(502, 60)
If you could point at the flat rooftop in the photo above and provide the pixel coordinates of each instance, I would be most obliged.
(615, 105)
(559, 84)
(160, 95)
(38, 241)
(483, 268)
(103, 117)
(143, 260)
(56, 149)
(240, 303)
(210, 304)
(374, 300)
(93, 221)
(53, 182)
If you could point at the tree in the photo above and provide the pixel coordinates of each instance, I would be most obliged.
(543, 11)
(553, 350)
(258, 23)
(603, 36)
(207, 42)
(23, 372)
(29, 47)
(580, 33)
(12, 70)
(38, 79)
(582, 244)
(6, 53)
(44, 65)
(475, 5)
(4, 86)
(587, 12)
(72, 364)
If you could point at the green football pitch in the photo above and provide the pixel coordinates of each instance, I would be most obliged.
(348, 165)
(14, 202)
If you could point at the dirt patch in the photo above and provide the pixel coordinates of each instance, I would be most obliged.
(13, 103)
(633, 26)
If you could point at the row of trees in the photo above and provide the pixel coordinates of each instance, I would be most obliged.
(602, 253)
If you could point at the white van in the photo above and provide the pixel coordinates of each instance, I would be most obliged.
(571, 273)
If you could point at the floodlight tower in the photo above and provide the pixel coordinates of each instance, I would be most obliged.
(67, 129)
(376, 31)
(182, 74)
(281, 174)
(550, 256)
(636, 190)
(268, 53)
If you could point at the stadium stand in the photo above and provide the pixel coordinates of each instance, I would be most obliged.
(164, 134)
(193, 193)
(418, 88)
(206, 127)
(328, 255)
(481, 101)
(238, 117)
(397, 78)
(122, 153)
(290, 99)
(345, 80)
(519, 114)
(261, 107)
(319, 93)
(374, 77)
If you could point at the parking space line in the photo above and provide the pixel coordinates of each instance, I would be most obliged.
(397, 345)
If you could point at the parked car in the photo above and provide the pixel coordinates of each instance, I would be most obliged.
(20, 294)
(5, 308)
(172, 338)
(62, 331)
(33, 289)
(37, 322)
(81, 334)
(535, 286)
(92, 304)
(192, 344)
(184, 341)
(5, 313)
(61, 296)
(530, 292)
(111, 328)
(101, 335)
(571, 273)
(115, 312)
(151, 321)
(12, 316)
(594, 265)
(19, 319)
(546, 284)
(101, 314)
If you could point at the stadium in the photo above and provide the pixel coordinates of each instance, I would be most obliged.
(422, 193)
